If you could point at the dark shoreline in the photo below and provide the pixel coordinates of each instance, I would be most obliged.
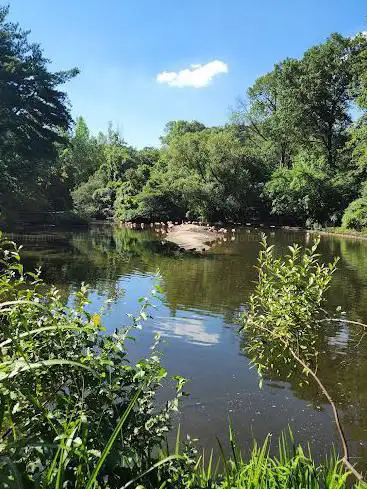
(36, 228)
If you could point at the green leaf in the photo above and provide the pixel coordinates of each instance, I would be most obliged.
(20, 367)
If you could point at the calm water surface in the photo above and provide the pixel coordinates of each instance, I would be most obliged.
(202, 296)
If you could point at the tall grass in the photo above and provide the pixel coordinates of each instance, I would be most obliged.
(289, 468)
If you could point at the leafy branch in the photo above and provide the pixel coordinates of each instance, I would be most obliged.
(285, 316)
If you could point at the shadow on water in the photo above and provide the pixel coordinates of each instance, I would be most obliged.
(202, 296)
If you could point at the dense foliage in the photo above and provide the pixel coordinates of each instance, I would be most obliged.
(66, 385)
(292, 153)
(355, 215)
(34, 122)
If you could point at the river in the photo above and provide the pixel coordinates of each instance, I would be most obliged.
(202, 296)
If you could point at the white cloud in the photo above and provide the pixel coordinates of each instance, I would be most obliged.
(193, 330)
(196, 76)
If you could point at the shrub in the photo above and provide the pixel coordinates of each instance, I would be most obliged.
(285, 314)
(355, 215)
(285, 309)
(66, 384)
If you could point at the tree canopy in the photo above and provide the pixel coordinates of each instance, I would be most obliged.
(294, 151)
(34, 114)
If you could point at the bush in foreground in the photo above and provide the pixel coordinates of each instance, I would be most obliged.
(66, 384)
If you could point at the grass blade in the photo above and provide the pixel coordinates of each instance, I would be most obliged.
(225, 462)
(155, 466)
(111, 441)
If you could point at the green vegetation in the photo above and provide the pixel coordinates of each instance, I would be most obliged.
(288, 298)
(343, 231)
(67, 388)
(284, 315)
(355, 216)
(34, 124)
(291, 154)
(75, 412)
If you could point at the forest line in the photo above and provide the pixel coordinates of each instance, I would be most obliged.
(294, 151)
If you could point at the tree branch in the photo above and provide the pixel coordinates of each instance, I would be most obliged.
(323, 389)
(357, 323)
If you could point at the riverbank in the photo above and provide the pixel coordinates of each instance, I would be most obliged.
(199, 238)
(193, 237)
(29, 221)
(341, 233)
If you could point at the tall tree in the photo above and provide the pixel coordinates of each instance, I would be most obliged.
(83, 156)
(359, 131)
(34, 113)
(175, 129)
(118, 156)
(319, 87)
(266, 114)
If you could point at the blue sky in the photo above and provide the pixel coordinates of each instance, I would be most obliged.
(121, 46)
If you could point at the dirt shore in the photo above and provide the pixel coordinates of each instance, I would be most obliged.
(344, 234)
(192, 236)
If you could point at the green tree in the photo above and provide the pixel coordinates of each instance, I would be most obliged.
(301, 194)
(34, 113)
(175, 129)
(319, 86)
(229, 179)
(88, 199)
(118, 166)
(358, 141)
(83, 155)
(266, 114)
(126, 204)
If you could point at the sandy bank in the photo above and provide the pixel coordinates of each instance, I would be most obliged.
(192, 236)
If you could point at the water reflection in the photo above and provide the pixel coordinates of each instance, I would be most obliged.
(201, 297)
(193, 330)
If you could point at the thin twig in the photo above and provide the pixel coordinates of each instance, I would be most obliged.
(341, 320)
(360, 339)
(340, 431)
